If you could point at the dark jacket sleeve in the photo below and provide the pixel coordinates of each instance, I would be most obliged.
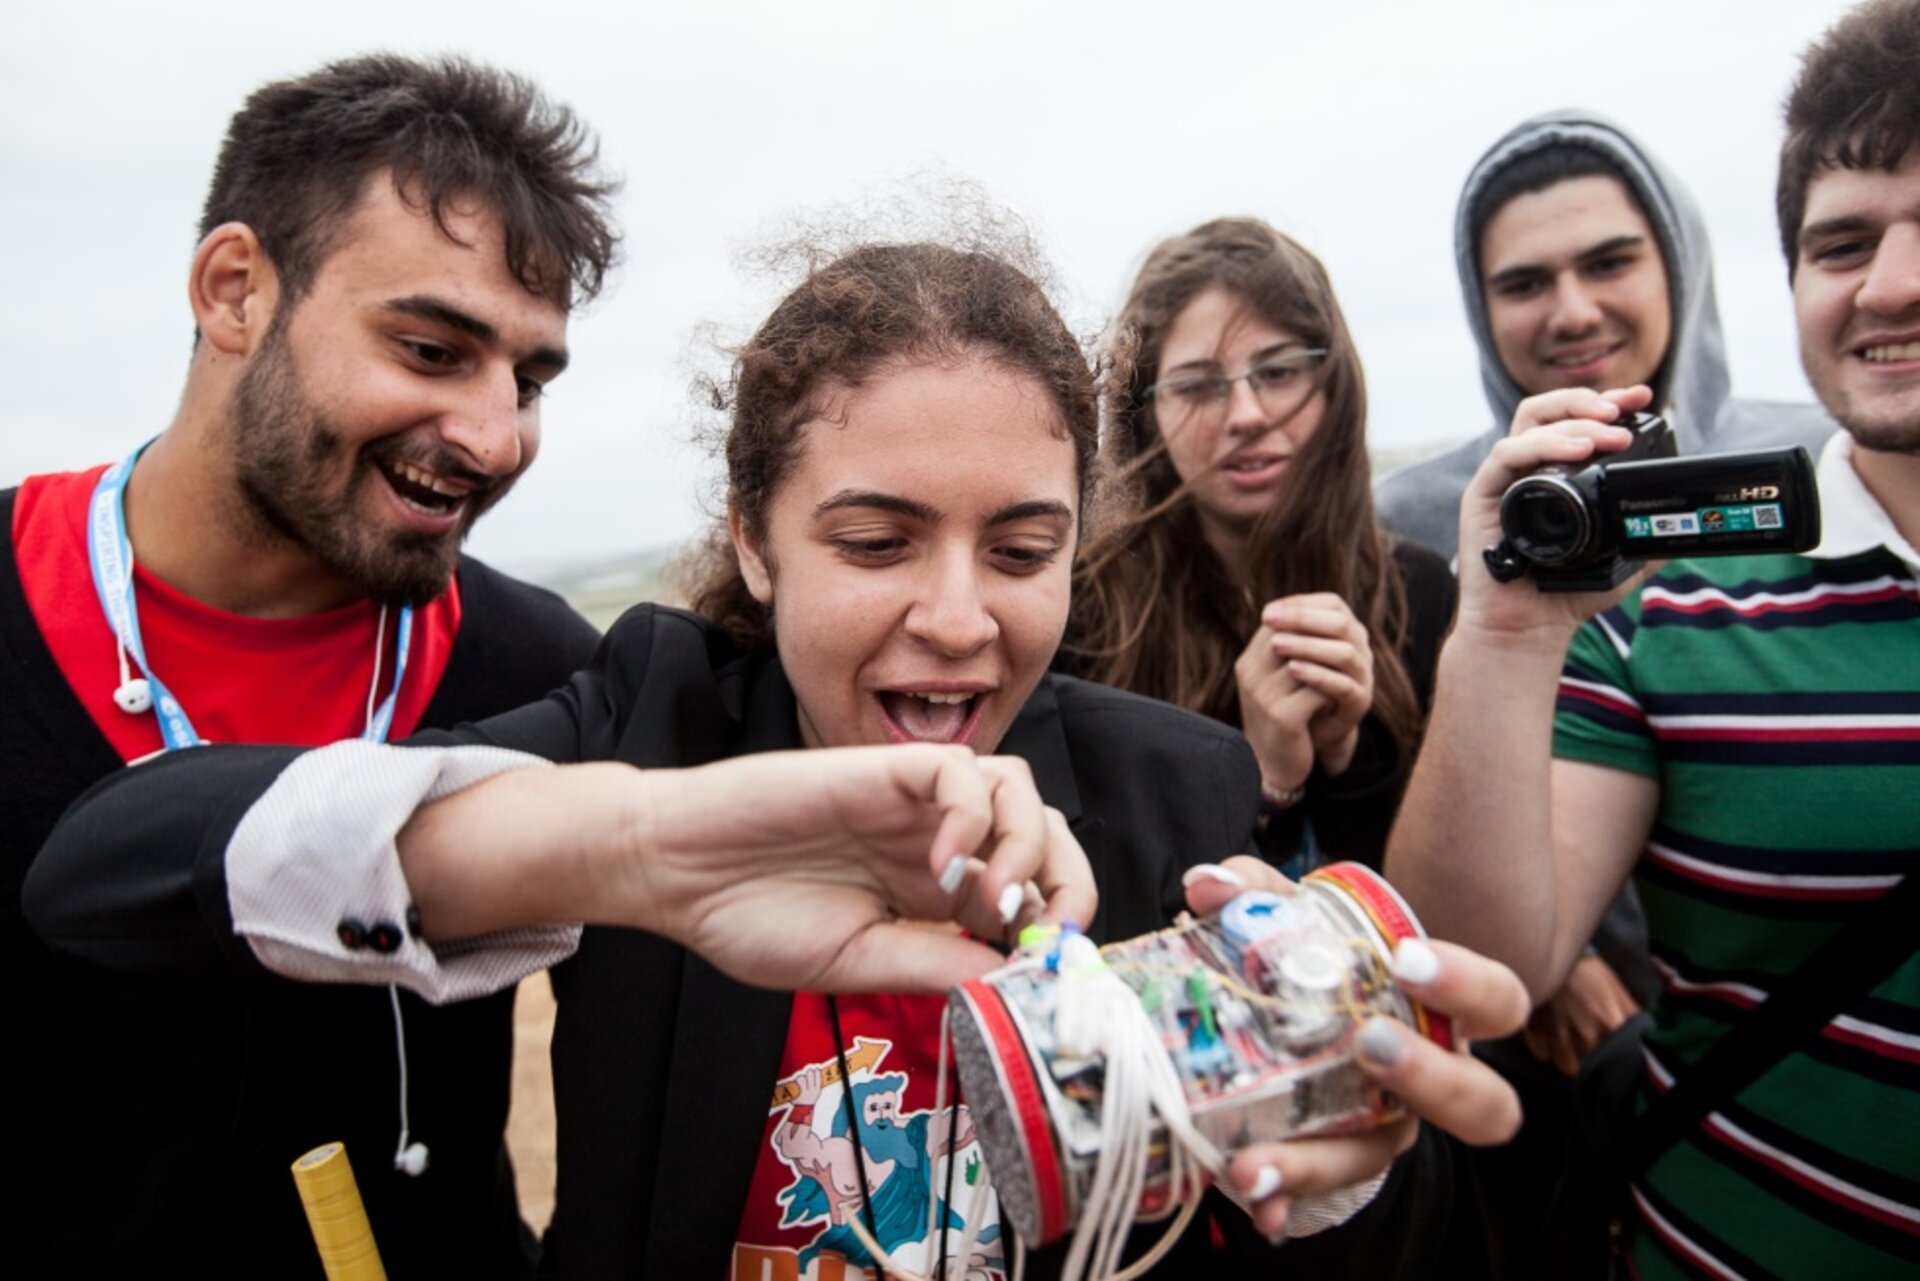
(134, 876)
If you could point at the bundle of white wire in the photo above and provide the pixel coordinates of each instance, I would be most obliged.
(1097, 1014)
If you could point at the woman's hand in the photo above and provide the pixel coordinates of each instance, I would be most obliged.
(783, 869)
(1277, 710)
(1326, 649)
(1449, 1088)
(793, 869)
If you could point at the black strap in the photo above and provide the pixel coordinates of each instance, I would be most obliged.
(1848, 966)
(853, 1114)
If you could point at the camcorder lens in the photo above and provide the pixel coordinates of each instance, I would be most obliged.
(1546, 522)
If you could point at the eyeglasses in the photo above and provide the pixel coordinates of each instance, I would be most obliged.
(1278, 383)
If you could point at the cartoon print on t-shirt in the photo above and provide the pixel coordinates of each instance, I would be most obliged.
(902, 1153)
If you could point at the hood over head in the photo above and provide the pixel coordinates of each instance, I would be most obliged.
(1692, 381)
(1692, 386)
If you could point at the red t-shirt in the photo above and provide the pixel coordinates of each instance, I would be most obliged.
(300, 681)
(804, 1184)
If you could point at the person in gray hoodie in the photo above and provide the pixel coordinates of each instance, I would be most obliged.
(1689, 377)
(1582, 262)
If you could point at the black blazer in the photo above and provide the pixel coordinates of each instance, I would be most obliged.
(662, 1064)
(662, 1105)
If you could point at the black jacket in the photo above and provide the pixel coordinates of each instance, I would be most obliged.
(157, 1119)
(662, 1065)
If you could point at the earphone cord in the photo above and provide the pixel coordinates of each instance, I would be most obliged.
(400, 1043)
(373, 687)
(121, 644)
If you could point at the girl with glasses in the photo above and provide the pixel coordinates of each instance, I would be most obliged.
(1241, 572)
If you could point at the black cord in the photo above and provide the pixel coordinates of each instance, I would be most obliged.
(953, 1159)
(859, 1151)
(853, 1116)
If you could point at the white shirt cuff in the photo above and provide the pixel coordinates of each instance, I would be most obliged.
(314, 881)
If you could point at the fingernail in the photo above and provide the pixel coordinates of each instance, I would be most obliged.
(1414, 962)
(1380, 1041)
(954, 873)
(1265, 1183)
(1010, 900)
(1211, 872)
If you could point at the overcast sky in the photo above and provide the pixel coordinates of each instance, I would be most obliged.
(1348, 123)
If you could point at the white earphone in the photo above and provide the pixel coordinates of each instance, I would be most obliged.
(408, 1158)
(411, 1159)
(134, 696)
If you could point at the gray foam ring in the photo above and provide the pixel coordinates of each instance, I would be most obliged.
(1002, 1140)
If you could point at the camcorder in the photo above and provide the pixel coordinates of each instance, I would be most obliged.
(1586, 528)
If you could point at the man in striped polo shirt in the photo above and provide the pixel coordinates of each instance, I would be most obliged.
(1742, 735)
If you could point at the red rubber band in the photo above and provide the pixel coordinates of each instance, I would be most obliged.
(1382, 903)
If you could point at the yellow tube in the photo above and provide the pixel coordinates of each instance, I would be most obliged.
(339, 1221)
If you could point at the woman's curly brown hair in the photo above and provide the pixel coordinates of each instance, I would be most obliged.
(865, 311)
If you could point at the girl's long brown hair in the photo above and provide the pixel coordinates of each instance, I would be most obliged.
(1155, 610)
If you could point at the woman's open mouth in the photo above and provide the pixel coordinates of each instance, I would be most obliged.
(930, 716)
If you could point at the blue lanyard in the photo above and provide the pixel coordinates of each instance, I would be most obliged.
(110, 557)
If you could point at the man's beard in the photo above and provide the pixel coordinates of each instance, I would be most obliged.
(1887, 421)
(1885, 433)
(286, 455)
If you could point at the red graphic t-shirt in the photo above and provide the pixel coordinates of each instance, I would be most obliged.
(806, 1183)
(301, 681)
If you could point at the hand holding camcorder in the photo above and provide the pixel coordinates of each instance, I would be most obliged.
(1587, 527)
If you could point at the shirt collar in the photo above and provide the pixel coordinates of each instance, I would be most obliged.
(1851, 520)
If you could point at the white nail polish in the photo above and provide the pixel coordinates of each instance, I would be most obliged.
(1265, 1183)
(1415, 962)
(1010, 900)
(954, 873)
(1211, 872)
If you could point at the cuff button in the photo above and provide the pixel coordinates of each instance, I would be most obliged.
(351, 932)
(385, 937)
